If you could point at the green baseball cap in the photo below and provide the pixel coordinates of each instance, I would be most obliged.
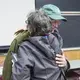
(53, 12)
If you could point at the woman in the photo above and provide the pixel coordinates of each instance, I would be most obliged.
(37, 57)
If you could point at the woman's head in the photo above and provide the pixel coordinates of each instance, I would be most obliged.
(38, 23)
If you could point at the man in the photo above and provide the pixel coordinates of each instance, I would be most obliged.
(54, 14)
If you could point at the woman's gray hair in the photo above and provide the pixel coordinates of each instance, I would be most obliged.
(39, 23)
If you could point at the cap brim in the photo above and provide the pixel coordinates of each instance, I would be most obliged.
(53, 15)
(57, 17)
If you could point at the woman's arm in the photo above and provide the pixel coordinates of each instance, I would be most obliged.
(21, 65)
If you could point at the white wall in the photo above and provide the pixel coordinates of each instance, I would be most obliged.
(12, 17)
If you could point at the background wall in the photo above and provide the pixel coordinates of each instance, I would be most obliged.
(70, 30)
(12, 17)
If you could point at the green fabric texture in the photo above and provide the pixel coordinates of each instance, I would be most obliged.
(7, 68)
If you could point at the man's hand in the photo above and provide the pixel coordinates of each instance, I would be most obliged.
(61, 60)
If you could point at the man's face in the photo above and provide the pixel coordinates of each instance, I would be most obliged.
(55, 23)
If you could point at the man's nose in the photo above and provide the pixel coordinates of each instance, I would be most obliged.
(56, 25)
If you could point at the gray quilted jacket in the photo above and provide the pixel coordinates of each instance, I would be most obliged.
(35, 59)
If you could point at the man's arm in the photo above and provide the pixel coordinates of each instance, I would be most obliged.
(62, 61)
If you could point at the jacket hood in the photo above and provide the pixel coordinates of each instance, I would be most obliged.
(43, 43)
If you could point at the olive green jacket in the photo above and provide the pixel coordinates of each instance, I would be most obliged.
(7, 68)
